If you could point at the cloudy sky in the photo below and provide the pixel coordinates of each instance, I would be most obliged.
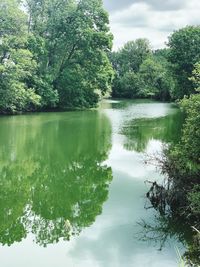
(153, 19)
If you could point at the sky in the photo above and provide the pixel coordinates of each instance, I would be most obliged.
(152, 19)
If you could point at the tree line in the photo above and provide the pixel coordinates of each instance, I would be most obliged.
(162, 74)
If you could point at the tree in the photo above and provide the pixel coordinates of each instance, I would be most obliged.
(17, 65)
(12, 19)
(66, 43)
(156, 81)
(15, 95)
(140, 73)
(126, 63)
(76, 39)
(181, 164)
(134, 53)
(130, 56)
(184, 47)
(196, 77)
(127, 86)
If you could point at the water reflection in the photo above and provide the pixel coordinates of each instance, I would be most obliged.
(141, 121)
(139, 132)
(53, 179)
(161, 229)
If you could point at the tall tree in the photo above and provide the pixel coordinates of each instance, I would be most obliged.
(141, 73)
(156, 81)
(184, 53)
(64, 44)
(130, 56)
(17, 65)
(76, 40)
(126, 63)
(12, 19)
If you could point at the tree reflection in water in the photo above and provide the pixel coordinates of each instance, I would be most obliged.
(140, 131)
(164, 228)
(53, 179)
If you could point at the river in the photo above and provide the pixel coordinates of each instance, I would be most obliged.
(72, 187)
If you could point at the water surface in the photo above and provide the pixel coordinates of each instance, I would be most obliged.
(72, 186)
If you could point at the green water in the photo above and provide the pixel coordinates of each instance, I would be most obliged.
(72, 186)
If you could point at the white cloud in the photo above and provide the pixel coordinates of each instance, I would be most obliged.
(112, 5)
(144, 20)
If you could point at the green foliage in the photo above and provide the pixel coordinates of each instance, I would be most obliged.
(164, 74)
(12, 18)
(133, 54)
(64, 46)
(74, 50)
(196, 77)
(184, 53)
(182, 165)
(15, 93)
(194, 200)
(191, 148)
(191, 132)
(126, 63)
(155, 79)
(140, 73)
(127, 86)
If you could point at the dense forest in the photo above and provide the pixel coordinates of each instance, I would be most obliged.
(53, 54)
(57, 54)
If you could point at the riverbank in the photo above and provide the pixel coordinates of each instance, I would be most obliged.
(179, 196)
